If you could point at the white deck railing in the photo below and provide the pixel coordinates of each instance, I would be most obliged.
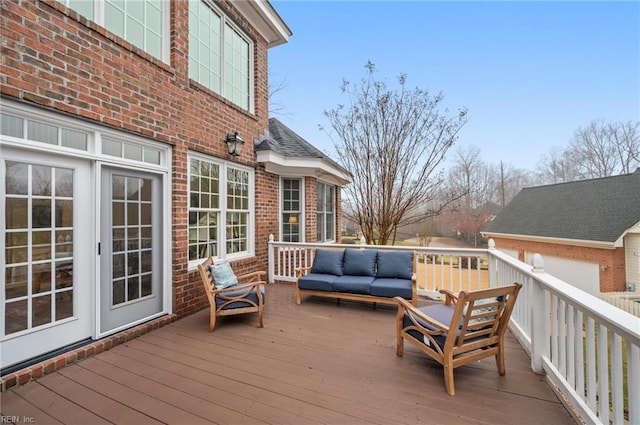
(588, 349)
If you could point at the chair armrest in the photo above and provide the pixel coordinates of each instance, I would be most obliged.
(406, 307)
(301, 271)
(252, 277)
(450, 297)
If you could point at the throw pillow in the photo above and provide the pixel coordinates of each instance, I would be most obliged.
(328, 261)
(223, 275)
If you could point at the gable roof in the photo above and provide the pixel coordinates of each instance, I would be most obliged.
(285, 152)
(597, 210)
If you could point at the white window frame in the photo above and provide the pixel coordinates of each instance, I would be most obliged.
(222, 210)
(98, 8)
(227, 82)
(300, 211)
(322, 223)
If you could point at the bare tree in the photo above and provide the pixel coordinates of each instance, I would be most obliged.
(393, 142)
(276, 108)
(598, 150)
(485, 188)
(626, 137)
(557, 167)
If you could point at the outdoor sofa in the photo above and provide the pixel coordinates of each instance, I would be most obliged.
(359, 274)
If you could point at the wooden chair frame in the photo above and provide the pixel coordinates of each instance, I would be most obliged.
(481, 326)
(239, 293)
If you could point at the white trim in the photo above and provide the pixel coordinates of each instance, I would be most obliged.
(95, 132)
(324, 212)
(264, 18)
(303, 206)
(94, 157)
(224, 22)
(276, 163)
(224, 164)
(550, 240)
(167, 236)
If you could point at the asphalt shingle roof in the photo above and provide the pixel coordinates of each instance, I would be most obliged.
(286, 142)
(595, 210)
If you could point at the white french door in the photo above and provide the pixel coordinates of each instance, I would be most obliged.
(48, 272)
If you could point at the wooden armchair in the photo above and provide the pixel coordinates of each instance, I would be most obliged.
(466, 328)
(246, 297)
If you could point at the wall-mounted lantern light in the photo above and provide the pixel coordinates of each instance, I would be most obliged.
(234, 143)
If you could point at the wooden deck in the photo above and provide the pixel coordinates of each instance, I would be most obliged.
(317, 363)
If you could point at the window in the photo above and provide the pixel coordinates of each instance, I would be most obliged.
(291, 209)
(140, 22)
(42, 132)
(39, 268)
(219, 55)
(326, 212)
(220, 209)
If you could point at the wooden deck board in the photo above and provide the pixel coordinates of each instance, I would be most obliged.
(314, 363)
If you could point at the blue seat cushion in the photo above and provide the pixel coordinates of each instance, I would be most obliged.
(440, 312)
(360, 262)
(353, 284)
(389, 287)
(328, 261)
(317, 282)
(395, 264)
(253, 296)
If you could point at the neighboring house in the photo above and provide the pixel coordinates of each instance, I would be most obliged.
(588, 231)
(115, 168)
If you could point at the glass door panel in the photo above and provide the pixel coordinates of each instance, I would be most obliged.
(131, 268)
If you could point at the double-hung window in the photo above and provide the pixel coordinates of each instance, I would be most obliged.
(291, 210)
(220, 209)
(219, 54)
(326, 212)
(143, 23)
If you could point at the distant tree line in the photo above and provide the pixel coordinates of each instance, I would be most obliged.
(600, 149)
(395, 140)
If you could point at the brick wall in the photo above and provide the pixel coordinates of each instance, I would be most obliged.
(611, 261)
(57, 59)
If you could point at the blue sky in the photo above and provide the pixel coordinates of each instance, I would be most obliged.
(530, 73)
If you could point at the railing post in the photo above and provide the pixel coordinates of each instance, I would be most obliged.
(539, 313)
(493, 266)
(270, 259)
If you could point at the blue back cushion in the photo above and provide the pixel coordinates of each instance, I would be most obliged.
(328, 262)
(395, 264)
(359, 262)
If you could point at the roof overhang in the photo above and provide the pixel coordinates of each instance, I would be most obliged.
(276, 163)
(265, 19)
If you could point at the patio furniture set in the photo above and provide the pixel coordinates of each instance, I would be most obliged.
(465, 328)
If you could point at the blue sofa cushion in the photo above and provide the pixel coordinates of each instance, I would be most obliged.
(328, 261)
(253, 296)
(359, 262)
(395, 264)
(317, 282)
(389, 288)
(353, 284)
